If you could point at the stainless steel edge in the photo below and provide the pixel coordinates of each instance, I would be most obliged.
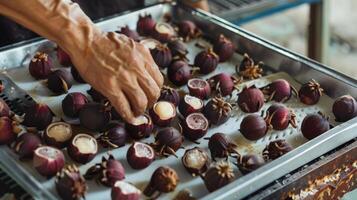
(298, 157)
(273, 55)
(250, 9)
(9, 58)
(21, 176)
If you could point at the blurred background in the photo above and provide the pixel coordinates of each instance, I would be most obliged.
(290, 29)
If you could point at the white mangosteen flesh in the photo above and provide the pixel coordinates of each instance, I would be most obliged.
(165, 110)
(197, 83)
(47, 152)
(194, 102)
(143, 150)
(59, 131)
(141, 120)
(164, 28)
(195, 159)
(86, 144)
(150, 43)
(127, 188)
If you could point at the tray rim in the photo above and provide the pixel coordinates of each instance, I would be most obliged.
(330, 138)
(323, 68)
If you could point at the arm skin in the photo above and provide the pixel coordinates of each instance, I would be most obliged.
(202, 4)
(113, 64)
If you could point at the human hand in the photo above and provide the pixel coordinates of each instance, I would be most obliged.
(122, 70)
(119, 68)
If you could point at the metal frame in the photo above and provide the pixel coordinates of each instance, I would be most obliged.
(319, 34)
(318, 30)
(258, 9)
(260, 49)
(299, 179)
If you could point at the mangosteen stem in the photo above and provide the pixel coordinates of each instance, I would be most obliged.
(180, 118)
(161, 152)
(194, 68)
(293, 119)
(107, 106)
(265, 89)
(294, 90)
(293, 123)
(15, 128)
(218, 89)
(237, 88)
(271, 96)
(171, 151)
(210, 51)
(181, 57)
(157, 194)
(323, 115)
(16, 117)
(149, 190)
(64, 85)
(245, 106)
(32, 129)
(236, 80)
(316, 86)
(111, 145)
(196, 142)
(259, 105)
(199, 44)
(285, 98)
(268, 119)
(233, 151)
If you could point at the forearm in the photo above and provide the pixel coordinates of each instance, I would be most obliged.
(58, 20)
(201, 4)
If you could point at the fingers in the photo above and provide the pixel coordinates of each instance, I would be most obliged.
(155, 73)
(136, 96)
(121, 104)
(150, 88)
(151, 66)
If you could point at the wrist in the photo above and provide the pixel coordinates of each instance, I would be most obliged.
(77, 30)
(77, 38)
(60, 21)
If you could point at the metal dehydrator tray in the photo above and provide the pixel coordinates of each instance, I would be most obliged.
(279, 63)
